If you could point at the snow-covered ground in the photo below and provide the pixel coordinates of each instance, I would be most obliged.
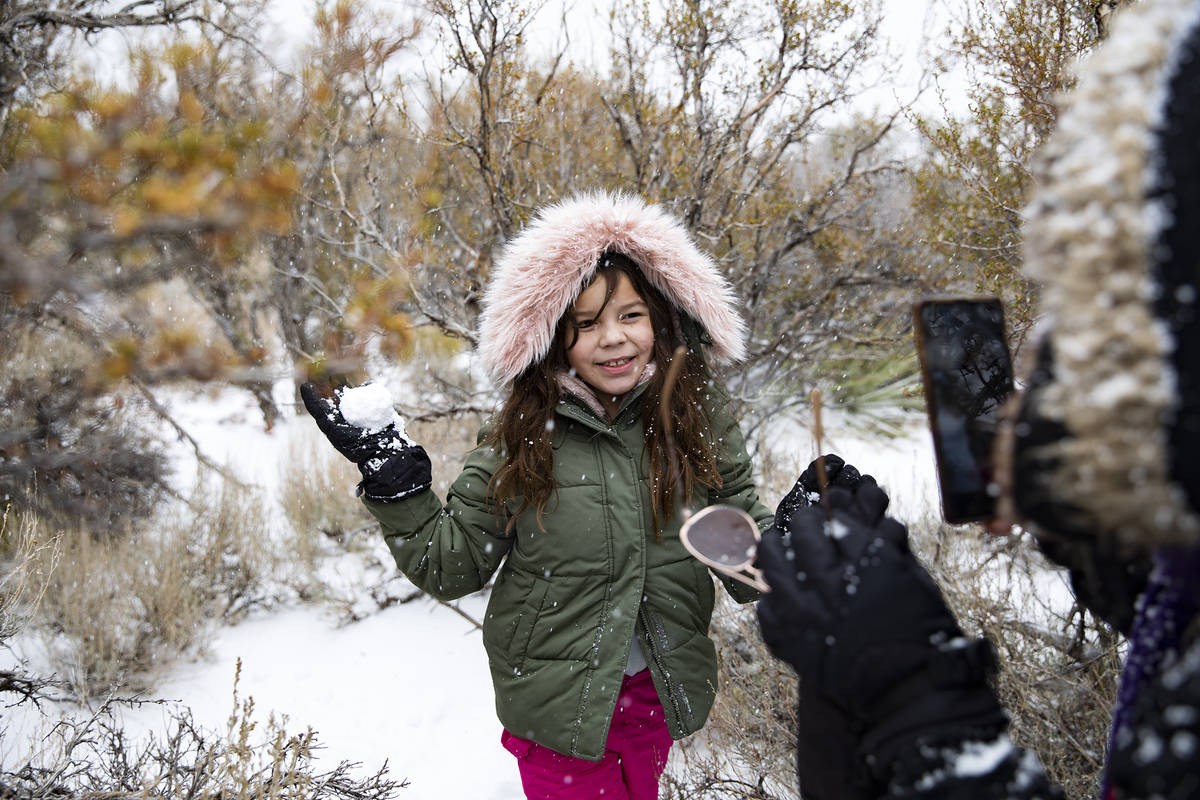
(409, 685)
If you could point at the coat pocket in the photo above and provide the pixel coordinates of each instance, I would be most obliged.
(518, 648)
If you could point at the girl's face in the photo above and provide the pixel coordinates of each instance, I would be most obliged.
(614, 340)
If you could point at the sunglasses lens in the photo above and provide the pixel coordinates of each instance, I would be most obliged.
(724, 535)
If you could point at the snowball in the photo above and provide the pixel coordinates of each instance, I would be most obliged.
(370, 407)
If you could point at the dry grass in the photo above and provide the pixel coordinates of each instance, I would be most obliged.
(117, 607)
(27, 559)
(747, 750)
(316, 493)
(1059, 665)
(110, 611)
(91, 758)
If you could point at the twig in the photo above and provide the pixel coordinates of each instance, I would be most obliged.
(165, 415)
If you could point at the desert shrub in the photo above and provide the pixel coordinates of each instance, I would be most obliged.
(316, 494)
(67, 450)
(1059, 665)
(118, 606)
(25, 561)
(111, 608)
(92, 757)
(748, 748)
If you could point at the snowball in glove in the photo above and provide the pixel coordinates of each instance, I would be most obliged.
(362, 425)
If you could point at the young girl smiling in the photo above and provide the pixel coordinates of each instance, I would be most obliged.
(597, 626)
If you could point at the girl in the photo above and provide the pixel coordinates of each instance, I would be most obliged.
(596, 629)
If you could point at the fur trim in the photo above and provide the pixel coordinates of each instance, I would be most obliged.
(545, 267)
(1091, 236)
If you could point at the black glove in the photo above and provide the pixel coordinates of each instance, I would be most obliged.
(807, 490)
(864, 625)
(828, 764)
(392, 467)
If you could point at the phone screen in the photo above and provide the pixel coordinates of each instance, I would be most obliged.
(967, 373)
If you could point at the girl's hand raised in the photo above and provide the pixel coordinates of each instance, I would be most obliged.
(808, 488)
(392, 467)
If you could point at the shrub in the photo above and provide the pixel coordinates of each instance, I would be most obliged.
(26, 558)
(748, 747)
(316, 494)
(92, 757)
(118, 606)
(1059, 665)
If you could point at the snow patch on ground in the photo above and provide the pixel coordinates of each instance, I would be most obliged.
(408, 686)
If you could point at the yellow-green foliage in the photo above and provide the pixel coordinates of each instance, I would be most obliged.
(969, 193)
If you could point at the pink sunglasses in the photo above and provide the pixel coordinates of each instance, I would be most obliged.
(726, 539)
(723, 537)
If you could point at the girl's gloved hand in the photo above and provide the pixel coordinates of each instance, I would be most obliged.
(807, 490)
(392, 467)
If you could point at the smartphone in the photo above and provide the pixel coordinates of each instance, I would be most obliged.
(967, 373)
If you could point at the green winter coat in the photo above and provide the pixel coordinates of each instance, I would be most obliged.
(569, 598)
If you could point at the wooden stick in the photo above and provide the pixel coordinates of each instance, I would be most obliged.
(664, 411)
(818, 433)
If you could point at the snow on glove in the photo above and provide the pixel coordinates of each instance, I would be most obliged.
(864, 625)
(807, 490)
(392, 467)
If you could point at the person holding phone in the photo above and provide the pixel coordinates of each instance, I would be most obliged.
(1098, 460)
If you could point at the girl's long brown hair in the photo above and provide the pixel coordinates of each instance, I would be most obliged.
(524, 428)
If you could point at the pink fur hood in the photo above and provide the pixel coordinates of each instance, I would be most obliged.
(544, 267)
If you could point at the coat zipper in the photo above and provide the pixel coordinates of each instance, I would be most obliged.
(571, 411)
(656, 657)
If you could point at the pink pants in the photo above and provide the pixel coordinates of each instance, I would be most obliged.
(635, 754)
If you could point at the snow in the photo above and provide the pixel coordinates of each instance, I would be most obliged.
(408, 686)
(836, 529)
(980, 758)
(971, 759)
(369, 407)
